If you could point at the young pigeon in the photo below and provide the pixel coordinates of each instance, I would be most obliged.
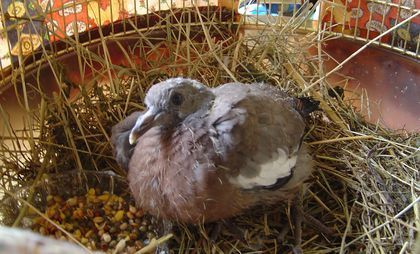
(200, 154)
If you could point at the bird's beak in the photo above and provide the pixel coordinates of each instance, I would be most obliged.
(143, 124)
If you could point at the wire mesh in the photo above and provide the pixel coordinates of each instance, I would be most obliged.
(36, 36)
(29, 28)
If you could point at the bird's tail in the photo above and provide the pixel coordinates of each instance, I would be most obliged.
(306, 105)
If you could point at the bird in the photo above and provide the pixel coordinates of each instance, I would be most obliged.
(199, 154)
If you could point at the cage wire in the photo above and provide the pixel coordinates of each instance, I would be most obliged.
(75, 68)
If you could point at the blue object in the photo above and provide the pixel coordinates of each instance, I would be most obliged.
(252, 7)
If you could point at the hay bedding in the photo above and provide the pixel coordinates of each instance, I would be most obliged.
(364, 192)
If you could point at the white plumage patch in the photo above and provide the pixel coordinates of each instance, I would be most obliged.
(269, 172)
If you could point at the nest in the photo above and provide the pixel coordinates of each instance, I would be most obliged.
(364, 192)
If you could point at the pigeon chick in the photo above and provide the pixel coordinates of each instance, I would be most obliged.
(200, 154)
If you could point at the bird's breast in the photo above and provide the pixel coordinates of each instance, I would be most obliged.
(166, 174)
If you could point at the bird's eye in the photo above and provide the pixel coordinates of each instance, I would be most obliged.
(177, 99)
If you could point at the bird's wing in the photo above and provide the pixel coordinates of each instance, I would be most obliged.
(119, 139)
(257, 133)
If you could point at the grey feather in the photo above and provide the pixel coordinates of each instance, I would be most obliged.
(119, 139)
(252, 122)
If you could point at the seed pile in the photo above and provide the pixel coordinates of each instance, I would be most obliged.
(99, 220)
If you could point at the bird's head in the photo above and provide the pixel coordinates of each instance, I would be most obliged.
(169, 103)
